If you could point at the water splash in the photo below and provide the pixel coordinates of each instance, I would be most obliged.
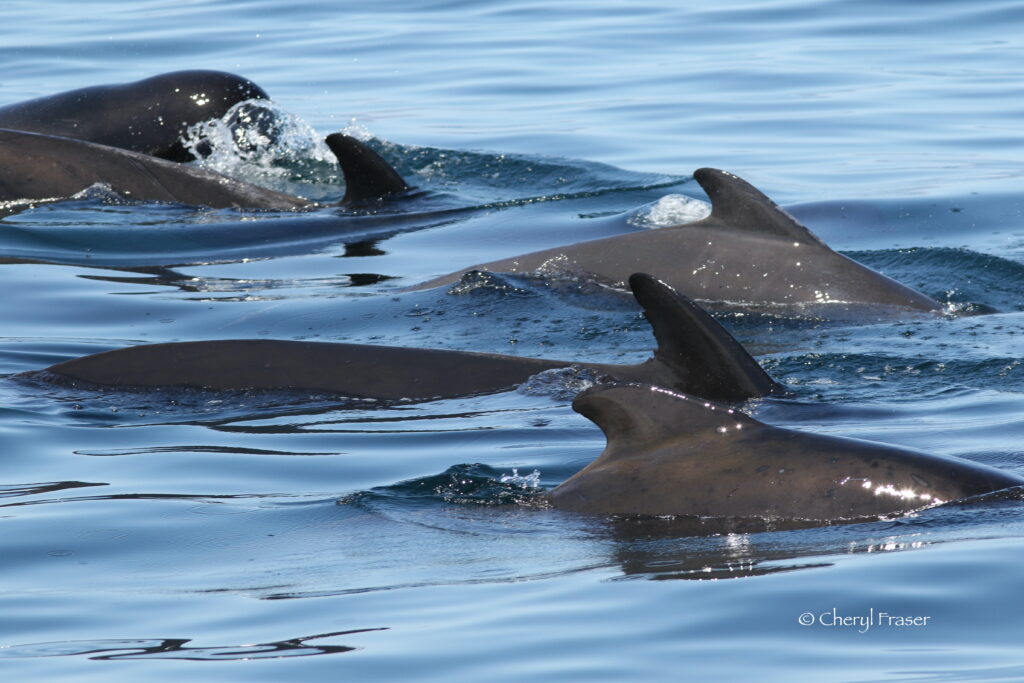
(259, 138)
(563, 384)
(467, 484)
(672, 209)
(524, 481)
(481, 281)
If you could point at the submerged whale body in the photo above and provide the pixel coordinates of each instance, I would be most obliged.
(148, 116)
(694, 354)
(37, 166)
(748, 252)
(673, 454)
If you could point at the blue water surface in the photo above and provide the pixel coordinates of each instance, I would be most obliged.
(243, 536)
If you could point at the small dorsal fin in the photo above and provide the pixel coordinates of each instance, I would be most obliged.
(738, 204)
(634, 414)
(367, 175)
(703, 358)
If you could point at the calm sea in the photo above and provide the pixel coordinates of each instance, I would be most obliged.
(166, 535)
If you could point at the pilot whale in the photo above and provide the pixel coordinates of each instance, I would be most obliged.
(694, 354)
(148, 116)
(748, 252)
(672, 454)
(37, 166)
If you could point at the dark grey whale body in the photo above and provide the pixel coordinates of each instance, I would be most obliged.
(148, 116)
(748, 252)
(694, 354)
(672, 454)
(37, 166)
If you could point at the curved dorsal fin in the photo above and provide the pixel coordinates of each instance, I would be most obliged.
(737, 204)
(367, 175)
(635, 414)
(704, 359)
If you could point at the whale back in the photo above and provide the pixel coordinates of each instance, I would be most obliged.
(697, 355)
(637, 416)
(147, 116)
(693, 355)
(367, 175)
(738, 205)
(36, 166)
(672, 454)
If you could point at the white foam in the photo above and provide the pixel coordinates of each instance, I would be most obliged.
(672, 209)
(255, 135)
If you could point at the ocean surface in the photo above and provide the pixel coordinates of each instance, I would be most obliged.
(243, 536)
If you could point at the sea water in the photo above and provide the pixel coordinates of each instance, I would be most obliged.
(260, 536)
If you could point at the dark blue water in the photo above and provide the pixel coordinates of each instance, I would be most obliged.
(257, 536)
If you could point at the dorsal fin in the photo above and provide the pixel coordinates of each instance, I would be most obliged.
(635, 414)
(738, 204)
(704, 358)
(367, 175)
